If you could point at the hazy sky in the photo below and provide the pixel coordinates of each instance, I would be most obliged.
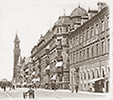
(29, 18)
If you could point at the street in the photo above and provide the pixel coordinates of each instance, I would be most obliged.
(44, 94)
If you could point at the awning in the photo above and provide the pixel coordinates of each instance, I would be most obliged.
(26, 70)
(59, 64)
(33, 73)
(96, 79)
(54, 77)
(37, 80)
(48, 67)
(33, 79)
(24, 83)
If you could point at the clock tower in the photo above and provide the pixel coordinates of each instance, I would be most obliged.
(16, 54)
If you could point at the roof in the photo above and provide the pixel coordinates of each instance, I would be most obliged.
(63, 20)
(16, 39)
(79, 12)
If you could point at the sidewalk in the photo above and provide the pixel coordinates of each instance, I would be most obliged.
(81, 92)
(61, 90)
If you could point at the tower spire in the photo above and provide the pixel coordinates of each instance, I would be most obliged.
(64, 12)
(78, 5)
(16, 38)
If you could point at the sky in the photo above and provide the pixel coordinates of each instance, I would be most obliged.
(29, 19)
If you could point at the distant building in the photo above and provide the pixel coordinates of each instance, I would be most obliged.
(18, 73)
(16, 51)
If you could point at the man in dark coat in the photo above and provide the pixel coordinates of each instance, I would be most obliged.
(31, 93)
(76, 88)
(4, 88)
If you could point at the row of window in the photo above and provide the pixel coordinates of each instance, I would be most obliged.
(90, 51)
(93, 74)
(62, 29)
(90, 32)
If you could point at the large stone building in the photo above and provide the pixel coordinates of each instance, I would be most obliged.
(51, 54)
(89, 43)
(75, 52)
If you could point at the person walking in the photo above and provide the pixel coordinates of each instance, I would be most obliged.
(31, 93)
(76, 89)
(4, 88)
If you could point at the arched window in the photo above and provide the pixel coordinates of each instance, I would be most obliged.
(93, 74)
(103, 73)
(81, 75)
(108, 69)
(84, 75)
(97, 73)
(88, 75)
(102, 25)
(96, 28)
(66, 29)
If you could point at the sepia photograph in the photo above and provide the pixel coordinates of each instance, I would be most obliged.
(56, 49)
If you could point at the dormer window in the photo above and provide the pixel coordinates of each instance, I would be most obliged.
(61, 30)
(57, 30)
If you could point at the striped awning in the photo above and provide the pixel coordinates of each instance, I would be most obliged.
(37, 79)
(48, 67)
(54, 77)
(97, 79)
(24, 83)
(26, 70)
(33, 73)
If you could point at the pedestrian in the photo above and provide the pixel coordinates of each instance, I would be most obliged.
(76, 89)
(4, 88)
(31, 93)
(54, 85)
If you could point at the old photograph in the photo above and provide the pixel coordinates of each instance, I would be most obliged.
(56, 49)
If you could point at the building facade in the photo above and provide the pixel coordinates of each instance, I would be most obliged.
(51, 53)
(75, 52)
(89, 45)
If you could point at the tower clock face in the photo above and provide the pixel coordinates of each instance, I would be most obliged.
(16, 45)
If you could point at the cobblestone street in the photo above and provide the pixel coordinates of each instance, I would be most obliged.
(43, 94)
